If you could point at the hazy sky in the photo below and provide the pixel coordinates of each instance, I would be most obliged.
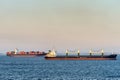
(62, 24)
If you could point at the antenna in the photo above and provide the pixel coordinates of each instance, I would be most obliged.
(53, 48)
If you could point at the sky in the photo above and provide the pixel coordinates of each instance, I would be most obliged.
(60, 24)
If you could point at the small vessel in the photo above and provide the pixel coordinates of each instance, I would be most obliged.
(17, 53)
(52, 56)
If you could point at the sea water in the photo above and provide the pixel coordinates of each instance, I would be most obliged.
(37, 68)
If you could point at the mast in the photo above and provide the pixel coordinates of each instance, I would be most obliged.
(78, 53)
(102, 51)
(66, 53)
(90, 52)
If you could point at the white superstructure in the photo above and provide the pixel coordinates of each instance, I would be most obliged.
(51, 53)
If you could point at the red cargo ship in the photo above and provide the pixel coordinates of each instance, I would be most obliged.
(17, 53)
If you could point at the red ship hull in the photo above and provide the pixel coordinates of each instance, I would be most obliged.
(25, 55)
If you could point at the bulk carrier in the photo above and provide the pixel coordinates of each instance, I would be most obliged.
(17, 53)
(52, 56)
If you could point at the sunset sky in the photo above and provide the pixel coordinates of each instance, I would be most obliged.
(60, 24)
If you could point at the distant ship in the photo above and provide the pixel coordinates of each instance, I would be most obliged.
(17, 53)
(52, 56)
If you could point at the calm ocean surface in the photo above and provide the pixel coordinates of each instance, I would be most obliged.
(38, 68)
